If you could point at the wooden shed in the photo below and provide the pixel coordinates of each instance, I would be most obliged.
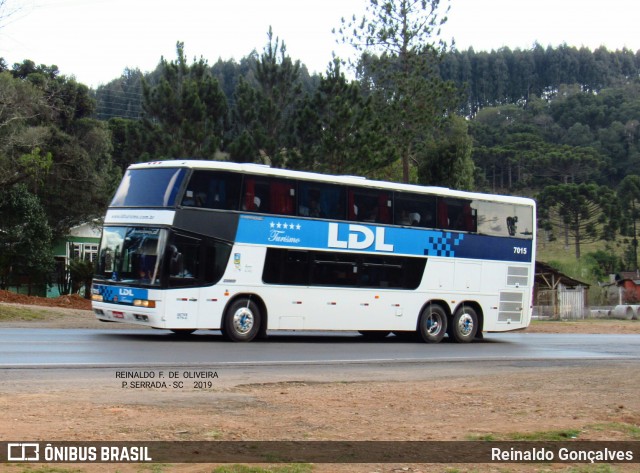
(557, 295)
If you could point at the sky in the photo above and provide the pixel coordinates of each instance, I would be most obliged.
(96, 40)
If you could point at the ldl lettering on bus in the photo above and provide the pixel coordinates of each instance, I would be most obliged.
(359, 237)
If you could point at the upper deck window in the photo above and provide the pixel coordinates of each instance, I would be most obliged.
(154, 187)
(502, 219)
(213, 190)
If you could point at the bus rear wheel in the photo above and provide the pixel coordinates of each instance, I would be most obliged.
(464, 325)
(242, 321)
(432, 326)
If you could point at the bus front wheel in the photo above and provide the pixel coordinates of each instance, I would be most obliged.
(433, 324)
(464, 325)
(242, 321)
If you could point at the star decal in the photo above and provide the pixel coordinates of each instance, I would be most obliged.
(285, 225)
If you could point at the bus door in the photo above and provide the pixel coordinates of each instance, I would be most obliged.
(195, 264)
(182, 265)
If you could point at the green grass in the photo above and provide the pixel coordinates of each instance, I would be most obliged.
(591, 469)
(11, 313)
(46, 469)
(544, 436)
(294, 468)
(630, 430)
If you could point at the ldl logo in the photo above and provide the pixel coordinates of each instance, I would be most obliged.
(23, 452)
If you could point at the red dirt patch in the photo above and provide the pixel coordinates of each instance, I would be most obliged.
(71, 301)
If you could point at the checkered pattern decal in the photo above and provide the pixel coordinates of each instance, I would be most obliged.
(119, 294)
(443, 244)
(107, 292)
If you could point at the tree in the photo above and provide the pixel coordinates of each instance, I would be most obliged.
(337, 131)
(23, 131)
(129, 142)
(50, 143)
(398, 66)
(585, 212)
(25, 237)
(81, 273)
(265, 108)
(449, 162)
(121, 97)
(629, 195)
(186, 112)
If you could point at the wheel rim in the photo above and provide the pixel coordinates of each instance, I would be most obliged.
(243, 320)
(434, 324)
(465, 325)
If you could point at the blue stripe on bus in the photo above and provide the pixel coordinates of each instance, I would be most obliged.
(345, 236)
(121, 295)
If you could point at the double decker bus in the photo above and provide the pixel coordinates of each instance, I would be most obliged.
(246, 249)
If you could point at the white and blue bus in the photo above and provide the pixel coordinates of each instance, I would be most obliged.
(247, 249)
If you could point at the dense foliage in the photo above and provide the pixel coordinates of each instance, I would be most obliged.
(56, 167)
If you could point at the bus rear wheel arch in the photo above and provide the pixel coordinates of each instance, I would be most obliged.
(242, 320)
(464, 324)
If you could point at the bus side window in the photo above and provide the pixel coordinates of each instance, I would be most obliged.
(223, 191)
(318, 200)
(251, 202)
(182, 258)
(369, 206)
(282, 197)
(414, 210)
(443, 214)
(459, 215)
(470, 218)
(213, 190)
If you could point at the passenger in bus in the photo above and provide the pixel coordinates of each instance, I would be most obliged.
(371, 215)
(255, 207)
(404, 218)
(314, 209)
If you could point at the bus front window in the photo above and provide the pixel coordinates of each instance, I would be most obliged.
(149, 188)
(131, 255)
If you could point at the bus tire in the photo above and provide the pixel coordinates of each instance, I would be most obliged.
(242, 320)
(432, 325)
(464, 324)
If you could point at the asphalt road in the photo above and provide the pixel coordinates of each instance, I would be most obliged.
(70, 348)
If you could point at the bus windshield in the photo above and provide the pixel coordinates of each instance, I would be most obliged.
(131, 254)
(156, 187)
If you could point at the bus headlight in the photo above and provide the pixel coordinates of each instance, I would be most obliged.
(144, 303)
(96, 297)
